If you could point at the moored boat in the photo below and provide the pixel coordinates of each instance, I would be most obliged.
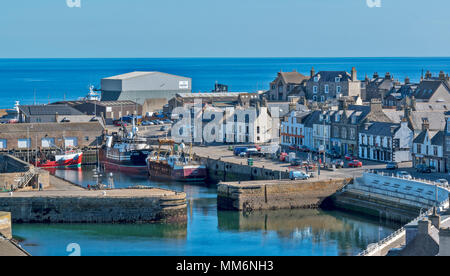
(178, 166)
(67, 159)
(126, 154)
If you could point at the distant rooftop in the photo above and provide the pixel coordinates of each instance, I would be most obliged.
(135, 75)
(37, 110)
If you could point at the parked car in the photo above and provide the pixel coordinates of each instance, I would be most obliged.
(298, 175)
(252, 152)
(349, 157)
(355, 164)
(163, 128)
(304, 149)
(296, 162)
(443, 182)
(339, 164)
(392, 166)
(424, 169)
(238, 150)
(283, 156)
(404, 175)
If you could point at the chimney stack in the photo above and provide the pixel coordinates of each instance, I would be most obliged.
(435, 219)
(425, 124)
(376, 105)
(375, 75)
(407, 80)
(424, 227)
(387, 76)
(442, 76)
(313, 72)
(354, 74)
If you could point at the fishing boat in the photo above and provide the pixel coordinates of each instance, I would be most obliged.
(126, 153)
(175, 165)
(67, 159)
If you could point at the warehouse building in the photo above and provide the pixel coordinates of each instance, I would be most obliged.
(45, 113)
(140, 86)
(49, 135)
(108, 110)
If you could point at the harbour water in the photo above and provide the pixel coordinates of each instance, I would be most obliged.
(208, 231)
(49, 80)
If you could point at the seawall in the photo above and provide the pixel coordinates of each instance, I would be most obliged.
(5, 225)
(219, 170)
(116, 206)
(277, 194)
(389, 198)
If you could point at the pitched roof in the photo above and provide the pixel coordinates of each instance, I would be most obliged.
(330, 76)
(381, 129)
(427, 88)
(50, 127)
(437, 137)
(293, 77)
(39, 110)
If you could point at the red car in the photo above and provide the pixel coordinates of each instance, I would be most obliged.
(348, 157)
(355, 164)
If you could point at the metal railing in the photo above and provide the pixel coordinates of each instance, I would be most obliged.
(24, 180)
(374, 247)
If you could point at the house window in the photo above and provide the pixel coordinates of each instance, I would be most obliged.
(344, 133)
(338, 89)
(315, 98)
(352, 133)
(435, 151)
(316, 79)
(327, 88)
(315, 89)
(419, 148)
(322, 98)
(337, 79)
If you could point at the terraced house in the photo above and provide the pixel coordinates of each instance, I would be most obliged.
(329, 85)
(428, 149)
(386, 142)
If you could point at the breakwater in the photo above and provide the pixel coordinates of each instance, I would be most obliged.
(112, 206)
(277, 194)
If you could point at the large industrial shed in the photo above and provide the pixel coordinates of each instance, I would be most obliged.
(140, 86)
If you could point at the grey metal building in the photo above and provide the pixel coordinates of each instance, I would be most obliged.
(140, 86)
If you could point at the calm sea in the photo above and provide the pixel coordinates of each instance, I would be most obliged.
(49, 80)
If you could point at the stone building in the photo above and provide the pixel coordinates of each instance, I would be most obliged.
(49, 135)
(328, 85)
(428, 149)
(287, 84)
(378, 87)
(45, 113)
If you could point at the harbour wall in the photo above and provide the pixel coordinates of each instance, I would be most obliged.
(389, 198)
(135, 206)
(219, 170)
(5, 225)
(277, 194)
(13, 169)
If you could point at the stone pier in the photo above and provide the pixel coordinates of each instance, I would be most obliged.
(277, 194)
(5, 225)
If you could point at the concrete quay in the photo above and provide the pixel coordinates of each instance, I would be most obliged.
(277, 194)
(7, 246)
(66, 203)
(224, 166)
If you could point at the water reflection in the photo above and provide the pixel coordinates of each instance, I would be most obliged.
(315, 226)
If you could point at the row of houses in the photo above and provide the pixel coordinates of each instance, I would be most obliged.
(372, 133)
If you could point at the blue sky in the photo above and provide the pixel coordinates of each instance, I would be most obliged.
(224, 28)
